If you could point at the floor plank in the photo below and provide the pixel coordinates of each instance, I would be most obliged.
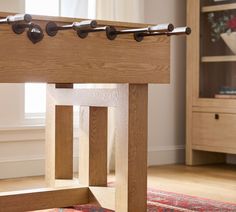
(213, 182)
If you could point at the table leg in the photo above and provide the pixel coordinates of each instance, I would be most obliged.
(131, 148)
(93, 146)
(59, 139)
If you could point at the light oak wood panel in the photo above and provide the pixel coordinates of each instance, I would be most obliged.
(215, 133)
(85, 97)
(213, 102)
(42, 199)
(209, 109)
(220, 7)
(50, 138)
(59, 139)
(131, 148)
(193, 48)
(192, 59)
(93, 146)
(103, 196)
(64, 142)
(227, 58)
(228, 150)
(69, 59)
(64, 139)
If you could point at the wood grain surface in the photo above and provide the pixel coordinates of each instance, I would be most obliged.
(93, 146)
(42, 199)
(131, 149)
(64, 139)
(66, 58)
(217, 134)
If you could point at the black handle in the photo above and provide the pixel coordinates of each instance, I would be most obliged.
(35, 33)
(217, 116)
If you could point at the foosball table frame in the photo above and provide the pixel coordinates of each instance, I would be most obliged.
(62, 61)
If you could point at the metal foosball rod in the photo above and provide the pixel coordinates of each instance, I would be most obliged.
(52, 28)
(84, 33)
(20, 22)
(112, 32)
(24, 18)
(177, 31)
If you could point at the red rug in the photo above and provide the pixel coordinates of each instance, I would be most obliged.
(162, 201)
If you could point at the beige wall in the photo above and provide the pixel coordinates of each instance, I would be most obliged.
(167, 102)
(17, 6)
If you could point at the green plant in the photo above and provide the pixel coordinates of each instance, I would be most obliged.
(220, 24)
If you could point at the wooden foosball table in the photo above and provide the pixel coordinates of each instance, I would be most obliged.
(63, 59)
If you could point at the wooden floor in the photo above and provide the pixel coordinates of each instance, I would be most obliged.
(213, 182)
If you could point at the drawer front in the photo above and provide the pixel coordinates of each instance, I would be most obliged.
(215, 130)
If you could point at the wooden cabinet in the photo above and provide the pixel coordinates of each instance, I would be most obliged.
(211, 81)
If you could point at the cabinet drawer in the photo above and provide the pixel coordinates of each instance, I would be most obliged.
(217, 131)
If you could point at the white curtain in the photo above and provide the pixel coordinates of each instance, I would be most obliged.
(121, 10)
(74, 8)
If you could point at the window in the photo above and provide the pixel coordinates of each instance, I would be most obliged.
(35, 100)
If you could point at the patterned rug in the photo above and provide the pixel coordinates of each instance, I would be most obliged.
(162, 201)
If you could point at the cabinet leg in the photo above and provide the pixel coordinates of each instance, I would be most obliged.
(131, 149)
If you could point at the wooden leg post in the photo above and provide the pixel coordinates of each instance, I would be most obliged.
(131, 149)
(64, 139)
(39, 199)
(93, 146)
(59, 139)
